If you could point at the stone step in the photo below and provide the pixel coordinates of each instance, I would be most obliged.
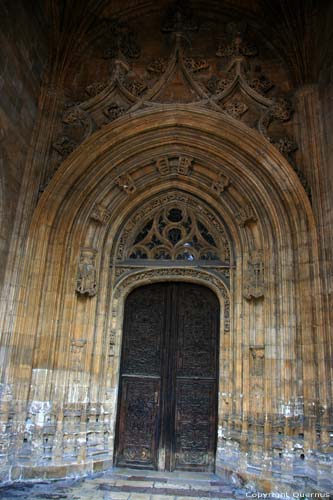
(186, 485)
(128, 484)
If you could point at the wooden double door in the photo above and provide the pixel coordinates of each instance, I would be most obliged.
(167, 407)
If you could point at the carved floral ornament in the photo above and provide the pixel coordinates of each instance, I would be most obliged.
(235, 90)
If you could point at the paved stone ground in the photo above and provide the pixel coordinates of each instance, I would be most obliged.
(125, 484)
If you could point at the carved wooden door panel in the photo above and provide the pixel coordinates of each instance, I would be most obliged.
(140, 383)
(168, 382)
(195, 378)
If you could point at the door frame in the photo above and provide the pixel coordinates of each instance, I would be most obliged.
(138, 278)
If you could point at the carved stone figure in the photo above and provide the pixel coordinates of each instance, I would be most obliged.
(100, 214)
(220, 183)
(73, 115)
(86, 283)
(126, 183)
(254, 286)
(257, 361)
(246, 215)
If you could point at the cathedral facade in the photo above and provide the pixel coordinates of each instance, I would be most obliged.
(167, 240)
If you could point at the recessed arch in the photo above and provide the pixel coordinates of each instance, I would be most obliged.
(261, 206)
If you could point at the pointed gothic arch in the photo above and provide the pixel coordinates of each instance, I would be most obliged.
(69, 293)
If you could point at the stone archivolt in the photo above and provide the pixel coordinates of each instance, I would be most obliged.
(87, 378)
(237, 93)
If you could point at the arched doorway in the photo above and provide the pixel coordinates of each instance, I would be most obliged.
(167, 406)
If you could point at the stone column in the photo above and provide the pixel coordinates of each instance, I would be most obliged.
(311, 139)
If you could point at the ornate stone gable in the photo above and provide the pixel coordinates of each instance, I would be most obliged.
(227, 79)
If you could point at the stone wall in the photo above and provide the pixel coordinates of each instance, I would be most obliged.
(23, 52)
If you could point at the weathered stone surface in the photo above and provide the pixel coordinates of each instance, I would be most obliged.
(170, 105)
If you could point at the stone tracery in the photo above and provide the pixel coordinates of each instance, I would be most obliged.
(175, 233)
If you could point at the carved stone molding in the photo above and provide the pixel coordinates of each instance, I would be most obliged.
(184, 165)
(246, 215)
(100, 214)
(163, 165)
(174, 274)
(126, 183)
(220, 183)
(254, 285)
(86, 283)
(166, 166)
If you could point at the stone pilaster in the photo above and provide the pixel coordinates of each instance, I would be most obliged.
(311, 139)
